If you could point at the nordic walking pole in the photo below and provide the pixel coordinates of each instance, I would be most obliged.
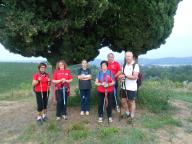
(48, 89)
(105, 98)
(63, 93)
(115, 96)
(120, 101)
(42, 94)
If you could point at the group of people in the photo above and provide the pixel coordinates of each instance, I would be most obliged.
(106, 82)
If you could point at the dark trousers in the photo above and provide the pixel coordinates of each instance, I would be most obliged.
(41, 101)
(61, 109)
(85, 99)
(101, 97)
(115, 94)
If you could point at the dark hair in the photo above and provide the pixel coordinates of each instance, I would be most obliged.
(104, 62)
(42, 64)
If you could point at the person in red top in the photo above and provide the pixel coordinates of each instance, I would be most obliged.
(41, 83)
(115, 68)
(61, 78)
(105, 82)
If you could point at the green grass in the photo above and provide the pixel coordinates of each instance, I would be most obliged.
(16, 78)
(78, 133)
(158, 121)
(46, 134)
(106, 132)
(182, 95)
(154, 96)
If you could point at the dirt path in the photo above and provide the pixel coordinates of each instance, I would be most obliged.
(179, 135)
(15, 116)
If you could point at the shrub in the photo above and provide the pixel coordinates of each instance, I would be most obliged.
(154, 96)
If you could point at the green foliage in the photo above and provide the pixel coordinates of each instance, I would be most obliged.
(173, 73)
(76, 29)
(154, 97)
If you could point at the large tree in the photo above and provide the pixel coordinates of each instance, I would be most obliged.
(76, 29)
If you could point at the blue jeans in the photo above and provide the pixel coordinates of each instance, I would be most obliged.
(85, 99)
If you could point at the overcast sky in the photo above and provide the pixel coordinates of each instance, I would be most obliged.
(179, 44)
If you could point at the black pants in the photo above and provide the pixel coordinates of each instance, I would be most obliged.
(101, 97)
(61, 108)
(41, 102)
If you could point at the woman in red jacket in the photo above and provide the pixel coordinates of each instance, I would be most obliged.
(105, 81)
(41, 83)
(62, 78)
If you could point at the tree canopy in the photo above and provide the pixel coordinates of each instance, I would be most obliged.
(76, 29)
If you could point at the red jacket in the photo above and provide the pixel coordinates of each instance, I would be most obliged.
(43, 84)
(114, 67)
(59, 74)
(102, 77)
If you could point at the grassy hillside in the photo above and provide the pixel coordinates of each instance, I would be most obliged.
(163, 113)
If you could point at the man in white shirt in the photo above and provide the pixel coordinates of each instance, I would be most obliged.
(129, 78)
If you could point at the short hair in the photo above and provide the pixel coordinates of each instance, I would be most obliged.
(84, 60)
(61, 61)
(41, 64)
(104, 62)
(130, 53)
(110, 54)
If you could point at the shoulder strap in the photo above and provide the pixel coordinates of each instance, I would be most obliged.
(134, 67)
(124, 67)
(99, 75)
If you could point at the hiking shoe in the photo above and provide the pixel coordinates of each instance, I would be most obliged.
(130, 120)
(58, 118)
(65, 117)
(125, 115)
(45, 118)
(87, 113)
(110, 119)
(39, 121)
(82, 113)
(100, 120)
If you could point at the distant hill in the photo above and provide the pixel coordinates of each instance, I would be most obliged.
(161, 61)
(143, 61)
(167, 61)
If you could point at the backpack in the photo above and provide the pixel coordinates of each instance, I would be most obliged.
(140, 75)
(140, 78)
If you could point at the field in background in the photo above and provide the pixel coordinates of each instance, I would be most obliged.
(164, 113)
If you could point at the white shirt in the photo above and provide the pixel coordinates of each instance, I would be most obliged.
(130, 84)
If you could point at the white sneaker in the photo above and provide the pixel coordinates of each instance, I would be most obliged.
(82, 113)
(110, 119)
(64, 117)
(87, 113)
(118, 109)
(100, 120)
(58, 118)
